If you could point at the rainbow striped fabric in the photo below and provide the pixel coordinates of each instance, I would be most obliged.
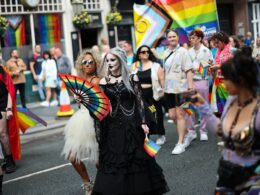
(188, 108)
(92, 96)
(49, 28)
(185, 16)
(15, 35)
(150, 147)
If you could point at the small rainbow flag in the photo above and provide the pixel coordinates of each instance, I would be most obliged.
(150, 147)
(138, 65)
(203, 70)
(188, 108)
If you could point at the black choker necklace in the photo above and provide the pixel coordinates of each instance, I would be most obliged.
(116, 76)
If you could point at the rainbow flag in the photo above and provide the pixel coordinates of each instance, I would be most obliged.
(203, 70)
(185, 16)
(49, 28)
(15, 37)
(188, 108)
(150, 147)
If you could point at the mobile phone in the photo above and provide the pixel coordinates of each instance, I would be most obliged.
(187, 96)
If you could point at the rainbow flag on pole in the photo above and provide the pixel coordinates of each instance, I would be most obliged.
(185, 16)
(150, 147)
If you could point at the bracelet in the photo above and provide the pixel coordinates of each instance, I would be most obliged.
(8, 109)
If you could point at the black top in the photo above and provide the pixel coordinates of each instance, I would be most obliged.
(145, 76)
(3, 96)
(38, 63)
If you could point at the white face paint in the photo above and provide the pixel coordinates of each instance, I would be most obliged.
(113, 63)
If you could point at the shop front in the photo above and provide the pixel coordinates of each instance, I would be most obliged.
(28, 26)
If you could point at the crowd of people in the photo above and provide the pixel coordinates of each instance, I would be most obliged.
(219, 77)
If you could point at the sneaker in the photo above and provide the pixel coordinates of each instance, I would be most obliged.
(45, 104)
(161, 140)
(178, 149)
(189, 137)
(170, 121)
(54, 103)
(87, 187)
(204, 137)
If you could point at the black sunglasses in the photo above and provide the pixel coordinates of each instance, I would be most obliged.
(87, 62)
(144, 52)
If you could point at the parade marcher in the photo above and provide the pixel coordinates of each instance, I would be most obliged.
(178, 79)
(49, 76)
(124, 166)
(224, 52)
(80, 137)
(199, 55)
(239, 127)
(16, 68)
(9, 129)
(256, 50)
(249, 40)
(151, 78)
(36, 68)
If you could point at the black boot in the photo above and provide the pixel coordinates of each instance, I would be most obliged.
(10, 164)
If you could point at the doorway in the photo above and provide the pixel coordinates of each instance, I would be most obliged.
(89, 37)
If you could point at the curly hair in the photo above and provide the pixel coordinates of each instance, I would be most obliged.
(220, 36)
(242, 70)
(79, 66)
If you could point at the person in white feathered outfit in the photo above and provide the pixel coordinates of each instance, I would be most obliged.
(80, 136)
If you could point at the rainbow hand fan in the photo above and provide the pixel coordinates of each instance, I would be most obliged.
(27, 119)
(91, 96)
(188, 108)
(150, 147)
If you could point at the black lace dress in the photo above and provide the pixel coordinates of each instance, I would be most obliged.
(124, 167)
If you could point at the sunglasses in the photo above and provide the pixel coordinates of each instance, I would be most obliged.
(144, 52)
(87, 62)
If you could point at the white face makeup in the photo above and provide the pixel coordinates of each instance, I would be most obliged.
(112, 63)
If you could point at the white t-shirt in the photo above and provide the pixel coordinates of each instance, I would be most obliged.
(202, 55)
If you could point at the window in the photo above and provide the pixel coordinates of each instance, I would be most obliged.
(14, 6)
(91, 5)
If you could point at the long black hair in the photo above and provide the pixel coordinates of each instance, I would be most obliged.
(151, 56)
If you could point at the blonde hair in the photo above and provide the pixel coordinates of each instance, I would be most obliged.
(79, 66)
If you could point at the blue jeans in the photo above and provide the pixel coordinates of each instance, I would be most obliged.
(40, 88)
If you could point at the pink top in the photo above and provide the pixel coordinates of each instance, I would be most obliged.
(223, 55)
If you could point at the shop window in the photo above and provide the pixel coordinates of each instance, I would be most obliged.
(91, 5)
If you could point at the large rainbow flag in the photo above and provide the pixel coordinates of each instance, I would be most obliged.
(15, 34)
(49, 28)
(185, 15)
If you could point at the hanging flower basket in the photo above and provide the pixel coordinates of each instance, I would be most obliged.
(81, 20)
(113, 17)
(3, 25)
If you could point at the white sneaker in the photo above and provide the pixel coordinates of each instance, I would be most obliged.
(189, 137)
(45, 104)
(204, 137)
(161, 140)
(54, 103)
(170, 121)
(178, 149)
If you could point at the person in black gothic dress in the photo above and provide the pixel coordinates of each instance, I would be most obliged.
(124, 166)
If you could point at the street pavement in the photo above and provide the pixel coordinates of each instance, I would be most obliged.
(42, 170)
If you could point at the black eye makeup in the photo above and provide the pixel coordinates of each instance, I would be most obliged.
(111, 60)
